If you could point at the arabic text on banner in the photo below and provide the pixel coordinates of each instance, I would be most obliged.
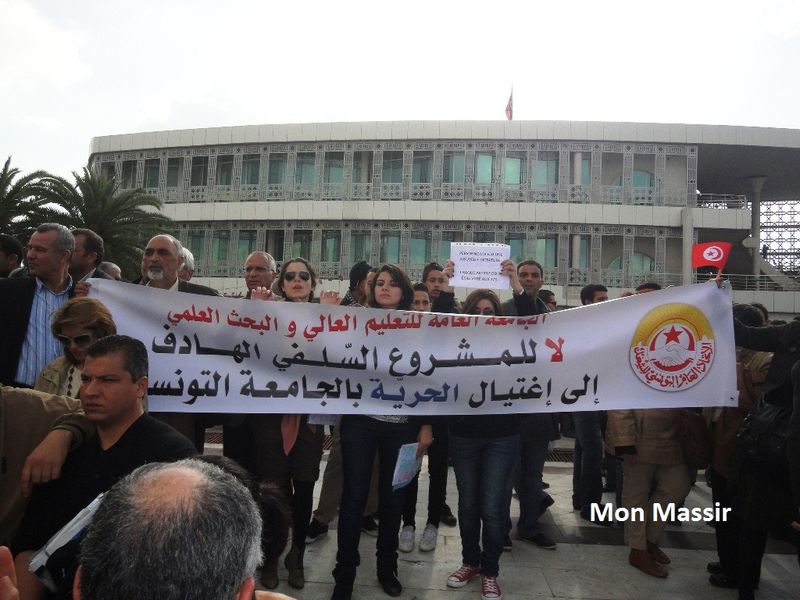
(207, 354)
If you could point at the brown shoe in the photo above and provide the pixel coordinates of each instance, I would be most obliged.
(294, 564)
(269, 575)
(642, 560)
(658, 554)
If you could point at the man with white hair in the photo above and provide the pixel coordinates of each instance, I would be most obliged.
(187, 269)
(161, 262)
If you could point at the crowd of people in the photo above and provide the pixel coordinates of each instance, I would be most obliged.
(75, 397)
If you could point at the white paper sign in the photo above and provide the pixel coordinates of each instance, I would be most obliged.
(665, 349)
(478, 265)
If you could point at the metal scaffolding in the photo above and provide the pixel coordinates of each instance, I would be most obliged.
(780, 233)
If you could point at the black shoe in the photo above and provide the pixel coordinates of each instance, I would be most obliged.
(721, 580)
(507, 545)
(448, 518)
(369, 526)
(714, 567)
(390, 583)
(342, 591)
(587, 516)
(545, 485)
(316, 530)
(545, 504)
(540, 540)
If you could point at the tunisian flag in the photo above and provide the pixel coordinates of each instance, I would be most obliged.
(510, 106)
(711, 254)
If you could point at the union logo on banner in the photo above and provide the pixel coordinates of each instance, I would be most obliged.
(673, 347)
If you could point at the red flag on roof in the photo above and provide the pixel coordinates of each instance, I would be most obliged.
(711, 254)
(510, 106)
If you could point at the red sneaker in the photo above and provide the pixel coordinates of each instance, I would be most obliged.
(463, 575)
(490, 590)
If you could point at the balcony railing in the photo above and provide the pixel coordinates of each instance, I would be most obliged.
(391, 191)
(362, 191)
(722, 201)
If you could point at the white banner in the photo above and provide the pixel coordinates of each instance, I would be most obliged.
(207, 354)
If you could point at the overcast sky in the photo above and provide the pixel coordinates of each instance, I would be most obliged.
(76, 69)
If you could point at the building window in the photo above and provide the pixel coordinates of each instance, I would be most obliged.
(277, 168)
(251, 164)
(517, 243)
(390, 247)
(513, 168)
(640, 179)
(362, 167)
(173, 171)
(581, 169)
(220, 243)
(360, 246)
(640, 263)
(422, 167)
(305, 168)
(331, 246)
(545, 172)
(301, 243)
(128, 174)
(247, 244)
(151, 170)
(199, 171)
(419, 249)
(334, 167)
(545, 251)
(448, 237)
(194, 241)
(484, 167)
(108, 170)
(484, 237)
(453, 167)
(225, 170)
(392, 167)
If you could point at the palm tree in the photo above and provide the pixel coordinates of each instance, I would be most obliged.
(20, 209)
(125, 219)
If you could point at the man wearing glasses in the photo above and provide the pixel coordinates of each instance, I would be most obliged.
(28, 303)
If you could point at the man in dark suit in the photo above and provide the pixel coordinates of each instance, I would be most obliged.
(27, 305)
(88, 254)
(162, 260)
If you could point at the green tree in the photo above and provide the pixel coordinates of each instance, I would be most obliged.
(125, 219)
(20, 208)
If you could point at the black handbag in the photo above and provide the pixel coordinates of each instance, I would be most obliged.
(762, 441)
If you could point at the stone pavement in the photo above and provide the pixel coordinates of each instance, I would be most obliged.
(590, 561)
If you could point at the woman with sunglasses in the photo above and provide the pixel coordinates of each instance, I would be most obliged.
(362, 437)
(76, 325)
(289, 450)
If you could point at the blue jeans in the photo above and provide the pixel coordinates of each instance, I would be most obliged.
(483, 467)
(587, 481)
(362, 437)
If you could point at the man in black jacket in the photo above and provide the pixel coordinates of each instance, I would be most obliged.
(88, 255)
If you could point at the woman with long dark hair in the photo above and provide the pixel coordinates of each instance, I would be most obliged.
(362, 437)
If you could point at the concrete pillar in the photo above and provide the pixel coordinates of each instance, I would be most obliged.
(757, 183)
(687, 221)
(576, 251)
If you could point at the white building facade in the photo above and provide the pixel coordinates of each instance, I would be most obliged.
(611, 203)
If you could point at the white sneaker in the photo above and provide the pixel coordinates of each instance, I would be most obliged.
(406, 539)
(428, 540)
